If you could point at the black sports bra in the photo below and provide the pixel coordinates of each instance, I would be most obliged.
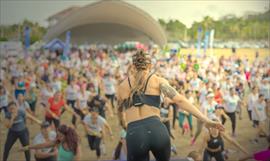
(215, 142)
(139, 100)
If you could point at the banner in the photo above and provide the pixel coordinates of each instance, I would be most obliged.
(211, 41)
(199, 41)
(206, 40)
(66, 49)
(27, 41)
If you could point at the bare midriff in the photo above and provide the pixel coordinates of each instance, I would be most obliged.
(139, 113)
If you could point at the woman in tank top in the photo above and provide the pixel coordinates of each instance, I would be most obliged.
(67, 143)
(213, 144)
(139, 100)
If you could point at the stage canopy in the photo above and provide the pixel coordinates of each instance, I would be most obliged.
(109, 22)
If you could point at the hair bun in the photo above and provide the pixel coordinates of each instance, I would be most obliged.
(141, 60)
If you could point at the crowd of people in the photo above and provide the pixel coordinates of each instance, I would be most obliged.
(85, 83)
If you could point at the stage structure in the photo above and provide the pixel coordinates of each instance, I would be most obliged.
(108, 21)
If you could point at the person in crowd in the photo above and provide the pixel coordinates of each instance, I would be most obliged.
(67, 143)
(139, 97)
(99, 103)
(251, 102)
(31, 98)
(71, 94)
(46, 135)
(259, 117)
(4, 99)
(53, 109)
(109, 88)
(16, 124)
(45, 93)
(213, 144)
(183, 114)
(94, 125)
(19, 86)
(208, 109)
(231, 101)
(81, 107)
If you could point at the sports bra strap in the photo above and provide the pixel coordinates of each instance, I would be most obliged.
(145, 87)
(129, 82)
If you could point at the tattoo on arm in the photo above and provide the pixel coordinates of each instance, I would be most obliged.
(167, 90)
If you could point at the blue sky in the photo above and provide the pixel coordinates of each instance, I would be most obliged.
(14, 11)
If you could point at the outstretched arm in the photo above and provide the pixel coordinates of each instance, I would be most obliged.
(182, 102)
(33, 118)
(235, 143)
(39, 146)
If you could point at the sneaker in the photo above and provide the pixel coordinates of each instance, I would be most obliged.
(254, 141)
(173, 149)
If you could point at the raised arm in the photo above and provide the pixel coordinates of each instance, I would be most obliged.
(182, 102)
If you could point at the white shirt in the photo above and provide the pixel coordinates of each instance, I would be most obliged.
(252, 98)
(109, 86)
(210, 108)
(71, 92)
(95, 127)
(83, 98)
(39, 139)
(261, 111)
(4, 100)
(57, 85)
(45, 95)
(231, 103)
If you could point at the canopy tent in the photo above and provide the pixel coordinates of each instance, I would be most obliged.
(54, 45)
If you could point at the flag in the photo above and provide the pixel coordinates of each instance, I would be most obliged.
(206, 40)
(27, 32)
(211, 41)
(199, 41)
(66, 49)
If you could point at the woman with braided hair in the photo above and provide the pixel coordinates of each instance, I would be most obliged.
(139, 100)
(67, 143)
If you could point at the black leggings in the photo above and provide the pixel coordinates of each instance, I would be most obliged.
(111, 97)
(147, 135)
(79, 112)
(94, 143)
(54, 121)
(174, 114)
(12, 137)
(207, 156)
(233, 120)
(46, 159)
(32, 106)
